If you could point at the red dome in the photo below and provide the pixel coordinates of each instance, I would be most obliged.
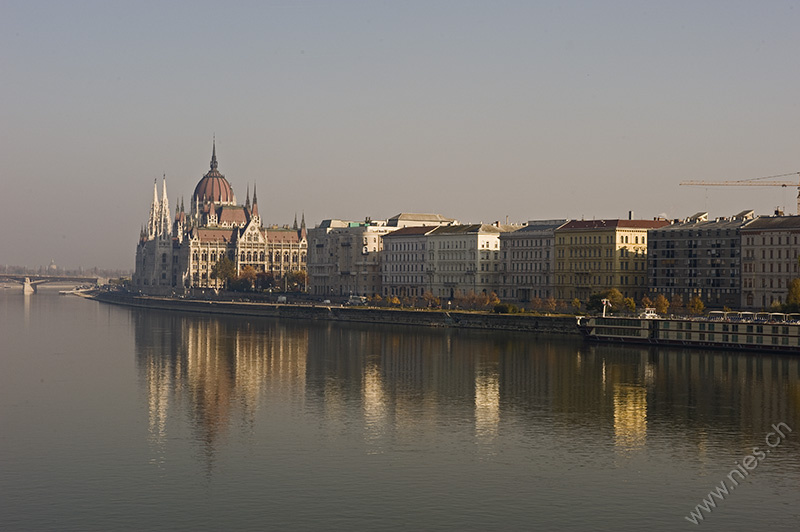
(213, 187)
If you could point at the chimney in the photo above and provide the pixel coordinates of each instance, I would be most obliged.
(630, 215)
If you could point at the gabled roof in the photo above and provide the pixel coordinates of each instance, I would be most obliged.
(695, 223)
(411, 217)
(232, 214)
(541, 225)
(773, 223)
(216, 235)
(286, 236)
(472, 228)
(613, 224)
(411, 231)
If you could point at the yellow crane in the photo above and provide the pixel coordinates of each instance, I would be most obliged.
(752, 182)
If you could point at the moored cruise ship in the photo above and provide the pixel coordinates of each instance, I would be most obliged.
(763, 331)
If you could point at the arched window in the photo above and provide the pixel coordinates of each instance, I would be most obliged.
(261, 257)
(242, 257)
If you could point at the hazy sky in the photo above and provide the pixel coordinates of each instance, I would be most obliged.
(475, 110)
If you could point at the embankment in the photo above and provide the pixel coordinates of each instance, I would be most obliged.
(423, 318)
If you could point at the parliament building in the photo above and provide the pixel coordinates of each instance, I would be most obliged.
(177, 253)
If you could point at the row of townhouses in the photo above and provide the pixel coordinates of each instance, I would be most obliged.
(742, 261)
(739, 261)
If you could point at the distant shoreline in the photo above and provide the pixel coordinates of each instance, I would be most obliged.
(560, 325)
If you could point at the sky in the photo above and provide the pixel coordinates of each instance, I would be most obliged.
(479, 111)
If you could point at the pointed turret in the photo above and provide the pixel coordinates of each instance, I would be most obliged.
(152, 221)
(294, 225)
(247, 199)
(165, 223)
(214, 154)
(255, 201)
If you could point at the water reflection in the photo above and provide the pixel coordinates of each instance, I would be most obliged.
(630, 417)
(395, 383)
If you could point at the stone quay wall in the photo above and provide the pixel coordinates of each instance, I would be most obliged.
(563, 325)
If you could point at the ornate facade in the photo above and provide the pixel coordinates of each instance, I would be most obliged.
(175, 254)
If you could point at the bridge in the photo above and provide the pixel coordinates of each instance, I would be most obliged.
(30, 282)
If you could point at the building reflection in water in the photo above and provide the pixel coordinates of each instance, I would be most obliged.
(218, 369)
(394, 384)
(630, 416)
(487, 402)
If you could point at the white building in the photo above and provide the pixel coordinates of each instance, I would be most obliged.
(404, 260)
(345, 256)
(465, 259)
(770, 246)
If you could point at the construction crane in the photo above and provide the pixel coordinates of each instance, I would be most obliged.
(753, 182)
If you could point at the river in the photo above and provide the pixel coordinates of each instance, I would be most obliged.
(114, 418)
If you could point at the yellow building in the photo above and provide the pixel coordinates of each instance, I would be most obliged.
(595, 255)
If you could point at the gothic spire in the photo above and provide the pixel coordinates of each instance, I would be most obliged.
(294, 226)
(247, 201)
(214, 154)
(152, 220)
(165, 224)
(255, 201)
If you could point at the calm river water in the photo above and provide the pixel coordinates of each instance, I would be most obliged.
(120, 419)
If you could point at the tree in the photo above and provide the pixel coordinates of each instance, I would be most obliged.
(647, 302)
(676, 304)
(493, 300)
(224, 270)
(629, 304)
(296, 281)
(551, 304)
(793, 297)
(576, 304)
(264, 280)
(613, 295)
(695, 306)
(661, 303)
(430, 299)
(248, 277)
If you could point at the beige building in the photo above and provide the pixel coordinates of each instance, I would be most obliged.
(345, 256)
(529, 261)
(465, 258)
(770, 247)
(595, 255)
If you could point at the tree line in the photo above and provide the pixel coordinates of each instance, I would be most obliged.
(249, 279)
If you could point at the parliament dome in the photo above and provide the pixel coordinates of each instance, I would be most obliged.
(213, 187)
